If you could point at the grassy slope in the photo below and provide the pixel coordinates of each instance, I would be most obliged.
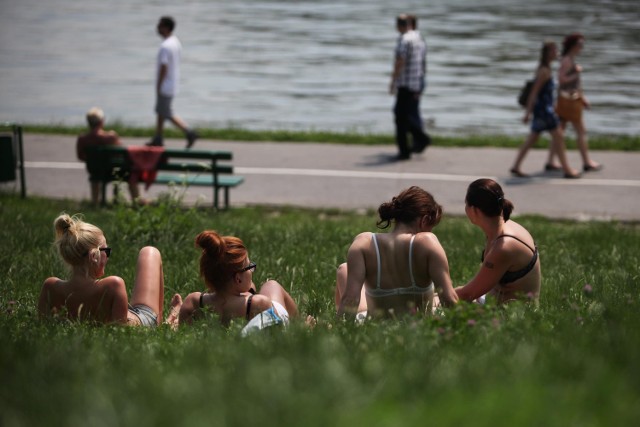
(571, 362)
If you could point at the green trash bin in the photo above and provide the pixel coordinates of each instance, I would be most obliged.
(7, 159)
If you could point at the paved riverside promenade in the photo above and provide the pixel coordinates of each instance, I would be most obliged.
(361, 177)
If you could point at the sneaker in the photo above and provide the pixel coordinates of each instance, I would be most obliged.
(191, 138)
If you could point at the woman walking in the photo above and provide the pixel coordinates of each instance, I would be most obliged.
(540, 104)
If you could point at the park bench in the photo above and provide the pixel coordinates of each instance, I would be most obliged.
(189, 167)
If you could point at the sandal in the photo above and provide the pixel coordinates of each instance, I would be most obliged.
(589, 168)
(518, 174)
(552, 168)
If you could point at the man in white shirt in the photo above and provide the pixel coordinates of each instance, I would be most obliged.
(168, 81)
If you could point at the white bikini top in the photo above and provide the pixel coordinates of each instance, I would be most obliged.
(409, 290)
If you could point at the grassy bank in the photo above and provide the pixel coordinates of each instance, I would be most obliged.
(573, 361)
(622, 143)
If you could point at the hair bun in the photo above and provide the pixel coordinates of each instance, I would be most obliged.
(210, 242)
(63, 224)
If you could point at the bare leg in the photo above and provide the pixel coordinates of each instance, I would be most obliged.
(149, 285)
(557, 140)
(276, 292)
(180, 124)
(583, 145)
(341, 287)
(159, 126)
(552, 152)
(522, 152)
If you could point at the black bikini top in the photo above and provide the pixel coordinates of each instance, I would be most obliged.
(248, 313)
(512, 276)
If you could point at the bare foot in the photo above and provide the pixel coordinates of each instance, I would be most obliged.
(172, 319)
(310, 321)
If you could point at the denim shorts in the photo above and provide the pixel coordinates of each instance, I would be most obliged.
(145, 314)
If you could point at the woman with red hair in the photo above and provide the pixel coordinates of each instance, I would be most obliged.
(228, 274)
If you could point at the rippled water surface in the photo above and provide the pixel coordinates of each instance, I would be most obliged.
(318, 64)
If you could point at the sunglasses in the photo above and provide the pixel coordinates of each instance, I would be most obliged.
(106, 250)
(251, 267)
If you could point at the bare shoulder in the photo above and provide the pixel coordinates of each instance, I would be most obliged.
(362, 239)
(51, 282)
(544, 73)
(189, 307)
(51, 286)
(192, 300)
(113, 137)
(113, 283)
(427, 239)
(517, 230)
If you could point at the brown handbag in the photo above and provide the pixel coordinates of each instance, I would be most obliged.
(569, 106)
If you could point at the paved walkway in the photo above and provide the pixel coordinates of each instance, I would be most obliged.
(361, 177)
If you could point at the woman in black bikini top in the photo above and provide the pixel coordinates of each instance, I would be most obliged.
(510, 261)
(228, 274)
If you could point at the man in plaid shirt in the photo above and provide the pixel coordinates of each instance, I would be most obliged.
(407, 82)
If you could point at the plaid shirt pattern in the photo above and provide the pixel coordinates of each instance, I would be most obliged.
(413, 51)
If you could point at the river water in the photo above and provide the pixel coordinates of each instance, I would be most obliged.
(310, 65)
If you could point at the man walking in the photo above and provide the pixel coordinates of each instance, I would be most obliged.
(167, 82)
(407, 83)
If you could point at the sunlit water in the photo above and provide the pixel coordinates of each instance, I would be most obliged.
(321, 65)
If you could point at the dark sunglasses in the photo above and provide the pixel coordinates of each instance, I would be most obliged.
(106, 250)
(252, 266)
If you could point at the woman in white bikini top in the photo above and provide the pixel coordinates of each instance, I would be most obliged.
(393, 274)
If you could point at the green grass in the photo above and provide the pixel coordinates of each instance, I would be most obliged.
(596, 142)
(571, 362)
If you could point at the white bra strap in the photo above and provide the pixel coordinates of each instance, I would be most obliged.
(375, 243)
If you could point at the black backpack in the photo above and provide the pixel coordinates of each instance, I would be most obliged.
(524, 93)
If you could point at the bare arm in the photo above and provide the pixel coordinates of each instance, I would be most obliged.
(44, 301)
(542, 76)
(356, 274)
(439, 272)
(493, 268)
(120, 307)
(162, 74)
(188, 308)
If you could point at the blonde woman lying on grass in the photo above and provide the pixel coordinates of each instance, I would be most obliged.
(86, 294)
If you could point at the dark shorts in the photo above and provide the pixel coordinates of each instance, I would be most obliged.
(544, 121)
(163, 106)
(145, 314)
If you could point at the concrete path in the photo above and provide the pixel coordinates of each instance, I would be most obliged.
(357, 177)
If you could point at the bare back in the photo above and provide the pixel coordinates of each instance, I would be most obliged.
(518, 252)
(410, 277)
(93, 138)
(103, 300)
